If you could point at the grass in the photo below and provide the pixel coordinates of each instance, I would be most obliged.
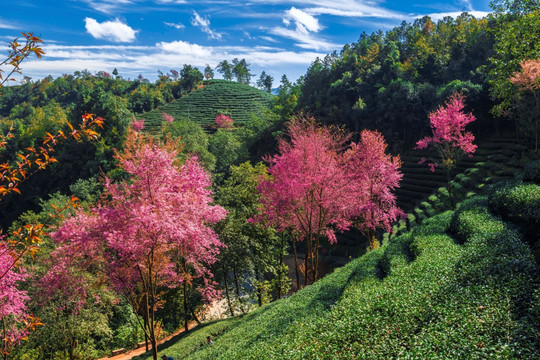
(461, 285)
(184, 344)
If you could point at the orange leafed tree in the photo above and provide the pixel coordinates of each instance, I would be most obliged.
(528, 81)
(15, 322)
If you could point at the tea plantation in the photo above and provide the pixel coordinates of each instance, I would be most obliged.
(241, 102)
(463, 284)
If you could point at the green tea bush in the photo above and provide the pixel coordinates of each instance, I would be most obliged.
(471, 217)
(519, 203)
(436, 300)
(193, 341)
(531, 172)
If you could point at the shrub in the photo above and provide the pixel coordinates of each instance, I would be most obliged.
(519, 203)
(472, 217)
(531, 172)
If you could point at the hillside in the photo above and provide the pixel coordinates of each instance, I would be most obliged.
(463, 284)
(237, 100)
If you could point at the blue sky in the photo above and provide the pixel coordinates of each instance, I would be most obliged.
(142, 37)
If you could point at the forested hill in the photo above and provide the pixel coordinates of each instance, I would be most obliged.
(241, 102)
(391, 80)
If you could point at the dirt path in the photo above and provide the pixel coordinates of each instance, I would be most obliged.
(141, 350)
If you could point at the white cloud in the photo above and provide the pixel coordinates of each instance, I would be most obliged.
(172, 1)
(467, 4)
(108, 6)
(132, 60)
(454, 14)
(204, 24)
(304, 22)
(268, 38)
(6, 25)
(115, 31)
(342, 8)
(178, 26)
(356, 11)
(185, 48)
(305, 41)
(306, 25)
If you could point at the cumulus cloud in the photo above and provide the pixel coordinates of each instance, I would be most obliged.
(304, 22)
(204, 24)
(185, 48)
(115, 31)
(134, 60)
(178, 26)
(305, 26)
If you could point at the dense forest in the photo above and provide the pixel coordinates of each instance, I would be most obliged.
(126, 212)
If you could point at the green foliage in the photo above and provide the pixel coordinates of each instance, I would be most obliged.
(532, 172)
(194, 139)
(228, 150)
(472, 217)
(237, 100)
(392, 80)
(185, 344)
(435, 299)
(516, 40)
(520, 204)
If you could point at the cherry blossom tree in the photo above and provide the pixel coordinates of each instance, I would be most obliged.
(318, 185)
(224, 121)
(168, 118)
(449, 139)
(375, 174)
(152, 231)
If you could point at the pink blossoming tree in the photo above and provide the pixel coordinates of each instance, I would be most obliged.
(137, 124)
(153, 231)
(168, 118)
(449, 139)
(13, 312)
(224, 121)
(375, 174)
(317, 188)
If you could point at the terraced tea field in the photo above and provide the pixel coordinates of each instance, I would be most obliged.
(241, 102)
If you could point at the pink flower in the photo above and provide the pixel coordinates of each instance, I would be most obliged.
(168, 118)
(224, 121)
(137, 125)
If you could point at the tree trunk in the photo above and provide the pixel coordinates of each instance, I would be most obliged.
(259, 290)
(185, 307)
(279, 265)
(296, 264)
(194, 316)
(145, 320)
(237, 286)
(448, 187)
(227, 291)
(316, 252)
(151, 327)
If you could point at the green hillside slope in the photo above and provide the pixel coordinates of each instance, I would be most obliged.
(237, 100)
(462, 285)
